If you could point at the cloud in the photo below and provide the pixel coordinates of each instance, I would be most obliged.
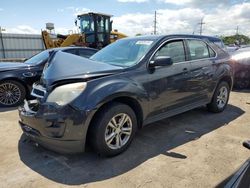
(132, 1)
(220, 21)
(26, 29)
(130, 26)
(224, 21)
(204, 4)
(177, 2)
(74, 10)
(60, 10)
(23, 29)
(168, 21)
(78, 11)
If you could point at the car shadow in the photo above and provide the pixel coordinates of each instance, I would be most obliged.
(155, 139)
(242, 90)
(6, 109)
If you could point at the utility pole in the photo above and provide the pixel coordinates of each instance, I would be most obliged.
(237, 30)
(155, 24)
(1, 37)
(238, 41)
(201, 24)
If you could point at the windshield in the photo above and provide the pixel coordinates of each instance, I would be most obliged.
(124, 53)
(38, 58)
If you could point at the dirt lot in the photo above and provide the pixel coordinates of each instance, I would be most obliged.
(194, 149)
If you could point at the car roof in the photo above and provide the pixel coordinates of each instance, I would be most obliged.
(159, 37)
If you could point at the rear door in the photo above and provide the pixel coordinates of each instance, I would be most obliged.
(201, 57)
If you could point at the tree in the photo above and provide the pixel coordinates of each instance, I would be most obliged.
(240, 39)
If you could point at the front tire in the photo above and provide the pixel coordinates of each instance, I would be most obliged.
(12, 93)
(113, 129)
(220, 98)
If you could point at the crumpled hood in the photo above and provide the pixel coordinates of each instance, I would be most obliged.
(65, 66)
(6, 66)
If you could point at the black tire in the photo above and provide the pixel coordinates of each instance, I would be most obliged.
(19, 90)
(99, 128)
(214, 106)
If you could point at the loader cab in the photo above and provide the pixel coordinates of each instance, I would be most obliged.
(96, 28)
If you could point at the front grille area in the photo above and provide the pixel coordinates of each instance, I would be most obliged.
(38, 91)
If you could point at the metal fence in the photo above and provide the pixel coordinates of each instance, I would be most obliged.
(19, 45)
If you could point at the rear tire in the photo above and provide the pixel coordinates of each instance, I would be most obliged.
(220, 98)
(12, 93)
(113, 129)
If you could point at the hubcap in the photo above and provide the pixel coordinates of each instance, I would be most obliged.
(9, 94)
(118, 131)
(222, 97)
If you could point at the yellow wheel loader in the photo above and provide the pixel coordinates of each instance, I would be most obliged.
(96, 32)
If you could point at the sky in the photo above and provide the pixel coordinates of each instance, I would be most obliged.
(221, 17)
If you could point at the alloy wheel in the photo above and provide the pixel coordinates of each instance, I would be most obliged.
(118, 131)
(222, 97)
(10, 94)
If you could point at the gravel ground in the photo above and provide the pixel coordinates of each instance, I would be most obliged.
(194, 149)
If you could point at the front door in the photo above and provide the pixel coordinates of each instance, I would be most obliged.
(167, 85)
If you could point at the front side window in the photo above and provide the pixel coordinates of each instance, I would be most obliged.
(174, 49)
(198, 49)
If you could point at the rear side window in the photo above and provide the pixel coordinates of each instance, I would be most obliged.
(173, 49)
(211, 52)
(198, 49)
(220, 44)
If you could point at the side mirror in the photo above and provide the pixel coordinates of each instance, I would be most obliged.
(161, 61)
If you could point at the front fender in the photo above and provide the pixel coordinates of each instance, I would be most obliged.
(99, 93)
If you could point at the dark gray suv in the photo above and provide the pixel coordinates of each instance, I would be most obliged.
(133, 82)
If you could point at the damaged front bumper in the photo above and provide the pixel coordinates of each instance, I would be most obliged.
(61, 129)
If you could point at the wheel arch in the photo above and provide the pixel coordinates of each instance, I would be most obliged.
(227, 79)
(127, 100)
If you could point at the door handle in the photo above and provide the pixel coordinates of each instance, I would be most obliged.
(185, 70)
